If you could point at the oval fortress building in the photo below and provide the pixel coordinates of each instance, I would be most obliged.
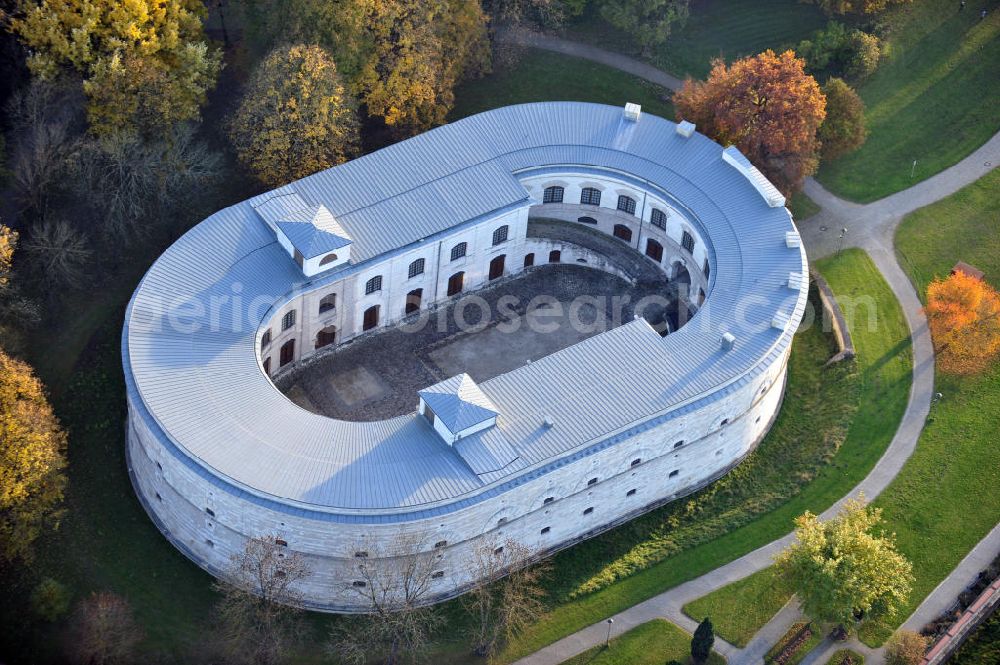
(548, 453)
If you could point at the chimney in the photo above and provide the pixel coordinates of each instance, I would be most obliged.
(685, 128)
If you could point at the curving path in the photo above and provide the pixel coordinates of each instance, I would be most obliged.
(870, 227)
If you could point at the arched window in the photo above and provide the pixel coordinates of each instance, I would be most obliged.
(416, 268)
(497, 266)
(687, 242)
(529, 260)
(287, 353)
(459, 250)
(288, 320)
(626, 204)
(654, 250)
(373, 285)
(553, 195)
(413, 299)
(265, 339)
(623, 232)
(590, 196)
(326, 336)
(586, 220)
(554, 256)
(329, 258)
(370, 319)
(658, 218)
(500, 235)
(328, 303)
(455, 283)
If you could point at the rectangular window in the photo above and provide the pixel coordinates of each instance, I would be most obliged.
(552, 195)
(592, 481)
(360, 584)
(588, 510)
(678, 444)
(437, 574)
(441, 543)
(361, 555)
(416, 268)
(687, 242)
(626, 204)
(459, 250)
(658, 218)
(590, 196)
(288, 320)
(637, 461)
(374, 284)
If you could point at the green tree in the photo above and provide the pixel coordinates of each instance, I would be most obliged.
(844, 129)
(32, 459)
(295, 118)
(145, 63)
(765, 105)
(843, 571)
(648, 21)
(702, 641)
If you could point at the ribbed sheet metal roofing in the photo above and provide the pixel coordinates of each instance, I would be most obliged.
(459, 403)
(193, 363)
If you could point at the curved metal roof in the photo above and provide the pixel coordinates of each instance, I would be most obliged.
(190, 354)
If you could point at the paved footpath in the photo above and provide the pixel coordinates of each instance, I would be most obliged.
(870, 227)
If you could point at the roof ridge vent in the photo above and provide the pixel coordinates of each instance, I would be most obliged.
(728, 341)
(780, 320)
(764, 187)
(793, 239)
(685, 128)
(795, 281)
(632, 112)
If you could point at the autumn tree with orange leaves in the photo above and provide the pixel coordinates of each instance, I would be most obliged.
(765, 105)
(964, 317)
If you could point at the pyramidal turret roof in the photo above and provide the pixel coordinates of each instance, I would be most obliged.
(313, 230)
(459, 403)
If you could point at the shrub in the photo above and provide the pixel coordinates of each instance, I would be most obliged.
(50, 599)
(843, 130)
(863, 53)
(838, 51)
(905, 648)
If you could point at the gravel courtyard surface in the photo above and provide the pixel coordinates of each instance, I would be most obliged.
(542, 310)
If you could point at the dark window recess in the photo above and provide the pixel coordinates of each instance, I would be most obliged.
(413, 299)
(459, 250)
(159, 466)
(416, 268)
(592, 481)
(280, 574)
(299, 259)
(707, 269)
(626, 204)
(630, 493)
(210, 543)
(687, 242)
(498, 551)
(554, 256)
(622, 232)
(287, 353)
(548, 499)
(590, 196)
(265, 339)
(455, 283)
(374, 284)
(552, 195)
(637, 461)
(210, 512)
(328, 302)
(674, 473)
(501, 521)
(288, 320)
(437, 574)
(440, 543)
(329, 258)
(267, 366)
(529, 260)
(281, 542)
(588, 510)
(500, 235)
(725, 421)
(678, 444)
(326, 337)
(545, 530)
(654, 250)
(361, 555)
(360, 584)
(158, 497)
(586, 220)
(496, 267)
(658, 218)
(370, 319)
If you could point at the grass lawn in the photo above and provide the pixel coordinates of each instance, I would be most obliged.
(933, 99)
(652, 643)
(873, 403)
(802, 207)
(945, 499)
(743, 607)
(839, 657)
(544, 76)
(757, 599)
(729, 29)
